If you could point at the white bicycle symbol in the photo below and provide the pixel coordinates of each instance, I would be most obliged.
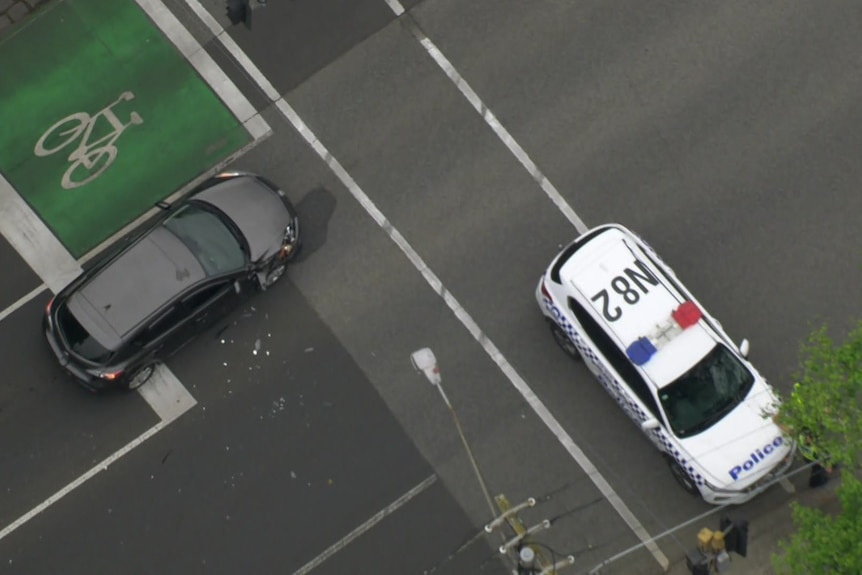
(93, 157)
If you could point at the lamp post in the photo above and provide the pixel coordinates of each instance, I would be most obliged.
(424, 361)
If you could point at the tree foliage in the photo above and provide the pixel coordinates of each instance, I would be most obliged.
(824, 543)
(828, 396)
(828, 401)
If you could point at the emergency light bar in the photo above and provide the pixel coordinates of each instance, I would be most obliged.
(684, 316)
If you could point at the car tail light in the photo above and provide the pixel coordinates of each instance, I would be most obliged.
(545, 291)
(111, 375)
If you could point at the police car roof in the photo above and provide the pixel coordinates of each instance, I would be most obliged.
(615, 253)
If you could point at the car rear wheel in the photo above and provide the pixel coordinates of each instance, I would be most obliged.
(141, 376)
(681, 476)
(563, 340)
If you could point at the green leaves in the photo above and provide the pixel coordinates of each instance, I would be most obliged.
(827, 400)
(828, 395)
(824, 543)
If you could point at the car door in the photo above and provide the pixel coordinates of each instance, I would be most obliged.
(209, 303)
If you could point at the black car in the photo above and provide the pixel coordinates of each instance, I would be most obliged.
(232, 236)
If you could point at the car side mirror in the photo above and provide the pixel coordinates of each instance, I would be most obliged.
(744, 348)
(649, 424)
(237, 287)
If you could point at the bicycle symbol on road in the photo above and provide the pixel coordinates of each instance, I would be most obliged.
(89, 159)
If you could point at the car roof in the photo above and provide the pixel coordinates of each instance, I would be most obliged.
(617, 253)
(134, 286)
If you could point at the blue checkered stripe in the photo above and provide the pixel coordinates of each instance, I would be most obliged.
(629, 404)
(680, 458)
(610, 383)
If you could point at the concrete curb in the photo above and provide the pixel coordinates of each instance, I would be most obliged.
(16, 11)
(766, 530)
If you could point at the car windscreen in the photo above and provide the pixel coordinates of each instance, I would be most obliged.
(209, 238)
(79, 339)
(706, 393)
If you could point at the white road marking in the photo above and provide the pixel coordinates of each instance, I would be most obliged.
(516, 380)
(166, 395)
(101, 466)
(377, 518)
(23, 300)
(490, 118)
(23, 229)
(206, 67)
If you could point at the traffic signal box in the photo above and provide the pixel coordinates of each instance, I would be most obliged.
(712, 553)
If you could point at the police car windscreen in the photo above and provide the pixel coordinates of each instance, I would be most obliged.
(705, 393)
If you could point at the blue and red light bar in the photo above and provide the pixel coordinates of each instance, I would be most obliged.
(683, 317)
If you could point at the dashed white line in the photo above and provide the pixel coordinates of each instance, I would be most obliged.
(101, 466)
(347, 180)
(23, 300)
(558, 200)
(377, 518)
(555, 196)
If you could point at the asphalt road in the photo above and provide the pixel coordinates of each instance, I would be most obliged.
(725, 134)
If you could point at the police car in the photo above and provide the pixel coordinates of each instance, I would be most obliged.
(611, 301)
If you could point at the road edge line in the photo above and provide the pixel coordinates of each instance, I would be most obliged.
(101, 466)
(205, 66)
(362, 529)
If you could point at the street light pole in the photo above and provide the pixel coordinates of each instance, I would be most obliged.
(424, 361)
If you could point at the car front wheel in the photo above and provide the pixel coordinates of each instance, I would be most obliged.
(140, 376)
(681, 476)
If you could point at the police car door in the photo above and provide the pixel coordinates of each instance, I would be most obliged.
(623, 382)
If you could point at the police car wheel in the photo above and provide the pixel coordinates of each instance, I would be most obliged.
(682, 477)
(564, 341)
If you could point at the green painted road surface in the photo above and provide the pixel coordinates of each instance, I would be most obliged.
(101, 117)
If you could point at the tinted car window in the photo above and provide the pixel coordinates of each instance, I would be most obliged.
(612, 353)
(706, 393)
(78, 339)
(159, 327)
(199, 298)
(208, 238)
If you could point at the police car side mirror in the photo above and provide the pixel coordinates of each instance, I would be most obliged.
(744, 347)
(651, 423)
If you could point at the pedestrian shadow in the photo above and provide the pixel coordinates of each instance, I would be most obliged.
(315, 210)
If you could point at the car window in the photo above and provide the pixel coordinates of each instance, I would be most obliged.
(80, 341)
(209, 238)
(203, 296)
(706, 393)
(616, 357)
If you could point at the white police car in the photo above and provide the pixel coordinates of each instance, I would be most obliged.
(612, 301)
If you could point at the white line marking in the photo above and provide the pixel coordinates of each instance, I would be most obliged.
(491, 120)
(526, 392)
(231, 46)
(558, 200)
(102, 466)
(166, 395)
(377, 518)
(206, 67)
(396, 7)
(22, 301)
(23, 229)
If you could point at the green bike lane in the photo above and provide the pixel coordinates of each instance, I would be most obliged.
(102, 117)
